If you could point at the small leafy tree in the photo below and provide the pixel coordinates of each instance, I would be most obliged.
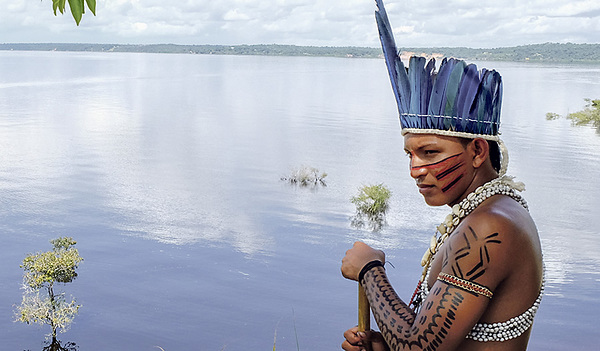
(372, 203)
(77, 7)
(41, 303)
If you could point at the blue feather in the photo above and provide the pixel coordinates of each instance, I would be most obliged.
(483, 103)
(427, 85)
(425, 99)
(471, 124)
(416, 70)
(488, 110)
(437, 102)
(497, 103)
(467, 92)
(396, 69)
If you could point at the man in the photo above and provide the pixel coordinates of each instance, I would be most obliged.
(483, 274)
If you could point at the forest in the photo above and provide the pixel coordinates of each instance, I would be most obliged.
(547, 52)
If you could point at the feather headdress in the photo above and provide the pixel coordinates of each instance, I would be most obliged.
(457, 100)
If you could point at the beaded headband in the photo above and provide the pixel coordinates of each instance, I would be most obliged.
(457, 100)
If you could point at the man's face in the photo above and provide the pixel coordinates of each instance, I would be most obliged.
(440, 165)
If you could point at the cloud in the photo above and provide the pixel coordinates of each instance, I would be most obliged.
(417, 23)
(588, 8)
(493, 23)
(235, 15)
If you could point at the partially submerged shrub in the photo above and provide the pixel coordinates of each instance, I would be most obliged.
(590, 115)
(372, 204)
(41, 303)
(306, 176)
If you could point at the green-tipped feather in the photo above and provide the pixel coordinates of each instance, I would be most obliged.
(452, 88)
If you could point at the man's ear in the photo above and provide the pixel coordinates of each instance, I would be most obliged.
(480, 150)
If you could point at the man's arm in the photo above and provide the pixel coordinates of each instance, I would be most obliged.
(469, 261)
(448, 314)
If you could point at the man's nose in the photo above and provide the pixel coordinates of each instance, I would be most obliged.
(417, 171)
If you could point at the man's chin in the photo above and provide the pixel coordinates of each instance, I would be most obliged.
(432, 201)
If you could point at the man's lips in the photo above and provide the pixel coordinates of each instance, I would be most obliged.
(423, 188)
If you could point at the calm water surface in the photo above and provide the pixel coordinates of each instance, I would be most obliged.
(166, 169)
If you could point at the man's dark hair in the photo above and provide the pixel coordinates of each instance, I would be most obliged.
(495, 155)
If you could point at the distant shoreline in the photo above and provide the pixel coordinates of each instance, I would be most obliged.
(548, 52)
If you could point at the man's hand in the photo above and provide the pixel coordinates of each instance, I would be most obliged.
(357, 257)
(355, 340)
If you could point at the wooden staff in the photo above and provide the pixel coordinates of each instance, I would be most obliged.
(364, 314)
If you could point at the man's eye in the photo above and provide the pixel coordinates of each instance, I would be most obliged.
(430, 152)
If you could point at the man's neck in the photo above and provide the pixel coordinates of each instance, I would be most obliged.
(482, 176)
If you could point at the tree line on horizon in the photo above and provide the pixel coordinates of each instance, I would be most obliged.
(547, 52)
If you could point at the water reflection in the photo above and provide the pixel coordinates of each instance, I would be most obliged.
(57, 345)
(187, 151)
(360, 221)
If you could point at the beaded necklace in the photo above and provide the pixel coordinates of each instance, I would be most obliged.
(502, 185)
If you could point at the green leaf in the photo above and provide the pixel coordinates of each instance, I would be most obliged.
(91, 4)
(61, 6)
(76, 9)
(55, 4)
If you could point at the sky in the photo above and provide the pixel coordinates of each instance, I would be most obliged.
(416, 23)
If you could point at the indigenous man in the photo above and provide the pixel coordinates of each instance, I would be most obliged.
(483, 274)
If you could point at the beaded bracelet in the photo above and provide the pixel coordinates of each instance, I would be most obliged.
(368, 267)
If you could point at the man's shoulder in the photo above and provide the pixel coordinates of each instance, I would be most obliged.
(501, 215)
(490, 238)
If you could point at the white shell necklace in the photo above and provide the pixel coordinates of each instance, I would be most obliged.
(502, 185)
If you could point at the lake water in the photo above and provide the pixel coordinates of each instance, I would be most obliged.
(166, 169)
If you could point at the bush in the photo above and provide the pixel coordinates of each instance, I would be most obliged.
(590, 115)
(306, 176)
(372, 204)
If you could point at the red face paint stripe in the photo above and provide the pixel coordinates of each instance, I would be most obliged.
(449, 171)
(436, 163)
(452, 183)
